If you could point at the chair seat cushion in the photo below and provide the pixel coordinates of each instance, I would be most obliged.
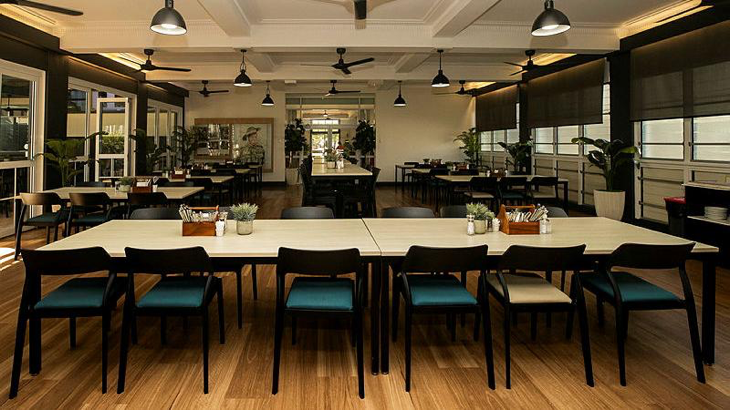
(48, 218)
(81, 293)
(438, 290)
(528, 289)
(91, 219)
(512, 195)
(175, 292)
(320, 294)
(632, 287)
(479, 195)
(543, 195)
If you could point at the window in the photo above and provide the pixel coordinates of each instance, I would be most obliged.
(565, 140)
(15, 118)
(543, 138)
(711, 138)
(663, 139)
(602, 130)
(485, 141)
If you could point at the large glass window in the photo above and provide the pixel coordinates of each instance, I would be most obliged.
(15, 118)
(543, 138)
(711, 138)
(663, 139)
(565, 140)
(485, 141)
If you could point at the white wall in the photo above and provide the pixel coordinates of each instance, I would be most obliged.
(424, 129)
(243, 103)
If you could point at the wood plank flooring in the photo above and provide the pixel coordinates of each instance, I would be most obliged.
(319, 371)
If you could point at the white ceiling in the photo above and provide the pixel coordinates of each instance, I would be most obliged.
(296, 39)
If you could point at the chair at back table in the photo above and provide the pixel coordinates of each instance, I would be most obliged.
(482, 189)
(81, 202)
(513, 190)
(177, 293)
(544, 189)
(407, 212)
(137, 200)
(441, 293)
(173, 183)
(362, 194)
(47, 219)
(532, 293)
(94, 184)
(307, 212)
(627, 292)
(318, 292)
(155, 213)
(556, 212)
(453, 211)
(78, 297)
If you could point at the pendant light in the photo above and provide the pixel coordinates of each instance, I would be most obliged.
(243, 80)
(268, 101)
(168, 21)
(550, 22)
(400, 101)
(440, 80)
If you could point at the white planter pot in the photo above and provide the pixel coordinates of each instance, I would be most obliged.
(125, 188)
(480, 226)
(609, 204)
(292, 176)
(331, 164)
(244, 227)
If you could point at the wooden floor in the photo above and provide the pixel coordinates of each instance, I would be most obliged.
(319, 372)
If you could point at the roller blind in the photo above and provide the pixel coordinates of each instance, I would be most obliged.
(573, 96)
(497, 110)
(683, 76)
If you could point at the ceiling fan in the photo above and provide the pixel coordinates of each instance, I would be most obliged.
(345, 67)
(205, 92)
(530, 65)
(148, 66)
(462, 90)
(41, 6)
(334, 91)
(703, 3)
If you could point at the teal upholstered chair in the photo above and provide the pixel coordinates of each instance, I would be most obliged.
(81, 203)
(78, 297)
(627, 292)
(319, 292)
(48, 219)
(443, 293)
(177, 293)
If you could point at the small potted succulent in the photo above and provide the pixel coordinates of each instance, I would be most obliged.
(481, 214)
(125, 184)
(244, 214)
(330, 157)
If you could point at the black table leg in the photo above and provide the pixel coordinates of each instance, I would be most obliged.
(395, 176)
(385, 317)
(375, 273)
(565, 196)
(708, 309)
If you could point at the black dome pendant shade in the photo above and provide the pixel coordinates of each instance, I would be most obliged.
(243, 79)
(440, 80)
(168, 21)
(268, 101)
(400, 101)
(550, 22)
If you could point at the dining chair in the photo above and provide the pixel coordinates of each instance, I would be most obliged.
(93, 184)
(318, 291)
(363, 194)
(47, 219)
(407, 212)
(529, 292)
(513, 190)
(453, 211)
(177, 293)
(442, 293)
(80, 296)
(483, 189)
(208, 197)
(628, 292)
(174, 183)
(317, 193)
(556, 212)
(81, 202)
(307, 212)
(136, 200)
(549, 186)
(155, 213)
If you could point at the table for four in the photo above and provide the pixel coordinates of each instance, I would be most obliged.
(382, 242)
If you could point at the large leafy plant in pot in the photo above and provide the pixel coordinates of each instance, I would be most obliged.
(294, 141)
(63, 154)
(609, 157)
(519, 155)
(469, 144)
(153, 154)
(364, 140)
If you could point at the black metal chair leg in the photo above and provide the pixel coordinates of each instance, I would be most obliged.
(19, 233)
(205, 350)
(133, 327)
(34, 344)
(221, 314)
(620, 343)
(277, 349)
(19, 345)
(72, 332)
(48, 235)
(239, 298)
(600, 312)
(396, 306)
(488, 350)
(695, 339)
(124, 348)
(105, 324)
(585, 342)
(464, 276)
(507, 329)
(548, 315)
(360, 360)
(408, 348)
(254, 283)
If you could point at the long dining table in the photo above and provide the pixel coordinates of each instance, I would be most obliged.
(383, 242)
(176, 194)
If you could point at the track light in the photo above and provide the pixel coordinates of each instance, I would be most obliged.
(400, 101)
(440, 80)
(550, 22)
(268, 101)
(168, 21)
(243, 80)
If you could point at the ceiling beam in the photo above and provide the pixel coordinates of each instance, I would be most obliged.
(410, 62)
(228, 16)
(261, 61)
(460, 15)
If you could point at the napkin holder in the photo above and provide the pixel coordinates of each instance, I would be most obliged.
(517, 228)
(200, 228)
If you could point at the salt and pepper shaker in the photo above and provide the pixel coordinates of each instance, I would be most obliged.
(545, 225)
(495, 225)
(470, 230)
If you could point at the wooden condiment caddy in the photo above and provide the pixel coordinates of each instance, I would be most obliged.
(199, 228)
(517, 228)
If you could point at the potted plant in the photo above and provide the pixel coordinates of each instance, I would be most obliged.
(244, 214)
(62, 154)
(481, 214)
(153, 154)
(124, 184)
(519, 155)
(330, 158)
(187, 143)
(469, 145)
(364, 140)
(294, 142)
(609, 157)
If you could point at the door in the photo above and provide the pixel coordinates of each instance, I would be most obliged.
(112, 148)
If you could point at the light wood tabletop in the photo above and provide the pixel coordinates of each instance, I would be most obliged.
(601, 236)
(172, 193)
(350, 170)
(467, 178)
(267, 237)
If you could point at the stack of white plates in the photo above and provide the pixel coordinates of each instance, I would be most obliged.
(715, 213)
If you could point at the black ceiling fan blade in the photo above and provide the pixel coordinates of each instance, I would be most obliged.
(514, 64)
(183, 70)
(218, 91)
(519, 72)
(361, 9)
(46, 7)
(345, 70)
(359, 62)
(347, 92)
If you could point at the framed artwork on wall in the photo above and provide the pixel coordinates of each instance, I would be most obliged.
(241, 140)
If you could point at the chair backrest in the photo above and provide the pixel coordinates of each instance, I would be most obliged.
(318, 263)
(556, 212)
(408, 212)
(646, 256)
(161, 181)
(439, 171)
(424, 166)
(155, 213)
(66, 262)
(466, 172)
(540, 181)
(41, 198)
(453, 211)
(307, 212)
(89, 199)
(532, 258)
(483, 184)
(421, 259)
(200, 172)
(512, 182)
(187, 184)
(225, 171)
(146, 199)
(373, 180)
(94, 184)
(168, 261)
(206, 183)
